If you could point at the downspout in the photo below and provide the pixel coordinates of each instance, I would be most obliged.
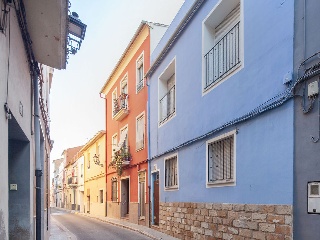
(149, 154)
(38, 170)
(106, 167)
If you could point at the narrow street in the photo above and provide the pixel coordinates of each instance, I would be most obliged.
(85, 228)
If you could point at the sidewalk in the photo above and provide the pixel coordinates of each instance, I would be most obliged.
(59, 232)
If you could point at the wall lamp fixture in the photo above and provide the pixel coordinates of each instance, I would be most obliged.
(77, 31)
(96, 160)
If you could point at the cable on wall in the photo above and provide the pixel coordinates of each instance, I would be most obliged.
(270, 104)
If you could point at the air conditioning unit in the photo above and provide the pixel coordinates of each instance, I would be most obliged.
(314, 197)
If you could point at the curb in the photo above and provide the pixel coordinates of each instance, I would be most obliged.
(132, 228)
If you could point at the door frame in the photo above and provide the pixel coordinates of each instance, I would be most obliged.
(127, 178)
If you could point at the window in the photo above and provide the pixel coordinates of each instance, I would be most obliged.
(114, 190)
(81, 170)
(221, 43)
(167, 93)
(171, 172)
(114, 143)
(124, 94)
(124, 137)
(88, 160)
(221, 159)
(114, 102)
(142, 199)
(140, 132)
(140, 74)
(98, 149)
(101, 196)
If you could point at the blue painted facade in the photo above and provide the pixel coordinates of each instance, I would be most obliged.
(264, 142)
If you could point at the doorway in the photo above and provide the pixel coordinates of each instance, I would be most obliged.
(125, 197)
(142, 199)
(156, 199)
(19, 176)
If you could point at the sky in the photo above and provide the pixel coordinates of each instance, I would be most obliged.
(76, 109)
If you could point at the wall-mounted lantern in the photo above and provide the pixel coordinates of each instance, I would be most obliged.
(77, 31)
(96, 160)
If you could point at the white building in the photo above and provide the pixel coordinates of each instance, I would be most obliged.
(34, 40)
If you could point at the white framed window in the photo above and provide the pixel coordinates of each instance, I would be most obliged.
(88, 160)
(140, 73)
(171, 172)
(221, 160)
(98, 149)
(114, 143)
(167, 93)
(140, 131)
(114, 189)
(124, 137)
(222, 43)
(114, 102)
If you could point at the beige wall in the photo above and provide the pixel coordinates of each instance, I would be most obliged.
(95, 175)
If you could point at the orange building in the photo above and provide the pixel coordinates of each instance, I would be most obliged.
(126, 95)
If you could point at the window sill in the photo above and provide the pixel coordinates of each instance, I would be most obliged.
(173, 188)
(138, 150)
(221, 183)
(169, 118)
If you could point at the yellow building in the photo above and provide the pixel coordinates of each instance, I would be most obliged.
(94, 153)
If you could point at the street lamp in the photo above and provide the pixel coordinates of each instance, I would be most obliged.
(77, 31)
(96, 160)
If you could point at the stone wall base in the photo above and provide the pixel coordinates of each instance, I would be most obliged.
(226, 221)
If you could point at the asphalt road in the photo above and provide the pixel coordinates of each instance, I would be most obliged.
(85, 228)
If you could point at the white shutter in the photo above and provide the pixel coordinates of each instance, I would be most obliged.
(140, 133)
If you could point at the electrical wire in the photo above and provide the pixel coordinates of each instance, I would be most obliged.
(270, 104)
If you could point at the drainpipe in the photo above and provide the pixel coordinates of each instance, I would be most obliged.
(103, 96)
(149, 154)
(38, 171)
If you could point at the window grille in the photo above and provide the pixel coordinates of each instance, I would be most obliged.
(114, 190)
(221, 160)
(167, 105)
(223, 57)
(171, 172)
(140, 74)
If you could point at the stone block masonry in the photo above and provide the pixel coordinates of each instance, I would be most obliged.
(211, 221)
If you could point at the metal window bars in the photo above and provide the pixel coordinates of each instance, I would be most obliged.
(167, 105)
(220, 157)
(120, 103)
(223, 57)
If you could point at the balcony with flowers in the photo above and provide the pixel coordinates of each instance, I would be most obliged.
(120, 107)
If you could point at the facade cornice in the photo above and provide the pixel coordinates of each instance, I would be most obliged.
(177, 33)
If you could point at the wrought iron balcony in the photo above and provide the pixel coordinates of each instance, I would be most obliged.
(168, 105)
(140, 85)
(73, 181)
(223, 57)
(120, 107)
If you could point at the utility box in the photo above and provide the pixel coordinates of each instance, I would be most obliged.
(314, 197)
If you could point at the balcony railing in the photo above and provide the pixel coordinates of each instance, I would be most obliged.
(120, 107)
(73, 180)
(168, 105)
(140, 85)
(223, 57)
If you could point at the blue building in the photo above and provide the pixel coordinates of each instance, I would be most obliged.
(221, 121)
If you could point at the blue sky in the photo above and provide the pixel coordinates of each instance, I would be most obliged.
(77, 111)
